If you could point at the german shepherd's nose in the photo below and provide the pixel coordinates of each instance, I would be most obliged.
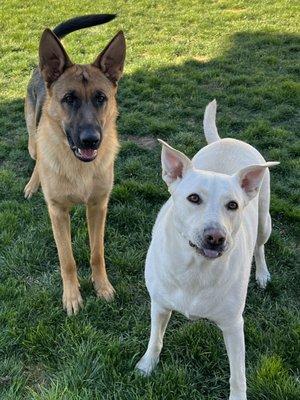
(89, 137)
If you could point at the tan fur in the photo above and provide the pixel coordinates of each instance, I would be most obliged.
(66, 181)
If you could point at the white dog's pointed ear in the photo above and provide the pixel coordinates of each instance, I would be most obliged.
(250, 178)
(174, 163)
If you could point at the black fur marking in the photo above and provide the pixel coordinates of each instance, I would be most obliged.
(36, 92)
(84, 21)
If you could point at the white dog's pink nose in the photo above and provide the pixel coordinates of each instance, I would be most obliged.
(214, 237)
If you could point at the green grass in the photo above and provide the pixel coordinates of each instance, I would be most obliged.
(181, 55)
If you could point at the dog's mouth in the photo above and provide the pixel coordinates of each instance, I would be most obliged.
(208, 253)
(85, 155)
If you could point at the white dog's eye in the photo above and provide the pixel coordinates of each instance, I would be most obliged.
(194, 198)
(232, 205)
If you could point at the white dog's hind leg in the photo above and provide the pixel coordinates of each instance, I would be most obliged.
(235, 346)
(262, 273)
(159, 321)
(263, 233)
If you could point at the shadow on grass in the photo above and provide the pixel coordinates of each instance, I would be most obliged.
(254, 82)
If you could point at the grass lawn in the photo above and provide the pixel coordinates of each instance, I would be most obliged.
(181, 54)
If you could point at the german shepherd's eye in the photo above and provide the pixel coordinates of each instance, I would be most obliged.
(71, 99)
(194, 198)
(232, 205)
(99, 99)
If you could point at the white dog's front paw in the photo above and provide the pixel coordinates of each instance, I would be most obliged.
(238, 397)
(263, 278)
(146, 365)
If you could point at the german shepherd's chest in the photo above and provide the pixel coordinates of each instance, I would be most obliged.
(68, 181)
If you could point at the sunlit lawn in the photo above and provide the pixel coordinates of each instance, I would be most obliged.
(181, 54)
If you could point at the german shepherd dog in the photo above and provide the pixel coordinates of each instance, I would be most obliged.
(70, 113)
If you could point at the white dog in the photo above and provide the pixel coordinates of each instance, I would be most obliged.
(203, 241)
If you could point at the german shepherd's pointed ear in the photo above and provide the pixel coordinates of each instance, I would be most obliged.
(53, 58)
(111, 59)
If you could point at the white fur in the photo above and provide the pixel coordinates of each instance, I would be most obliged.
(209, 123)
(180, 279)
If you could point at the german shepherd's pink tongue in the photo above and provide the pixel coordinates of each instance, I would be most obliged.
(87, 153)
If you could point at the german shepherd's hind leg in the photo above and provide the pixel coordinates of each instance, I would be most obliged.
(60, 220)
(262, 274)
(31, 127)
(32, 146)
(33, 184)
(96, 216)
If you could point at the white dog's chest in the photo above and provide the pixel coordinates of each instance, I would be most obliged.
(191, 300)
(191, 307)
(216, 292)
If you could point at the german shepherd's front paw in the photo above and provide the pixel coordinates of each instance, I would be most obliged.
(104, 289)
(72, 299)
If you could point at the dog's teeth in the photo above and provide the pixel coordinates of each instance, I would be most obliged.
(79, 151)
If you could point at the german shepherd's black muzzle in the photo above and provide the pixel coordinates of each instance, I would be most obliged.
(84, 141)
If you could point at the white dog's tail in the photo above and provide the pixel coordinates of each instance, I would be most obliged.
(209, 123)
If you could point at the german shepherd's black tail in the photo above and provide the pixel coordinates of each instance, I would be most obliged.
(84, 21)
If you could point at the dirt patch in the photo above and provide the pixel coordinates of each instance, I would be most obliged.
(145, 142)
